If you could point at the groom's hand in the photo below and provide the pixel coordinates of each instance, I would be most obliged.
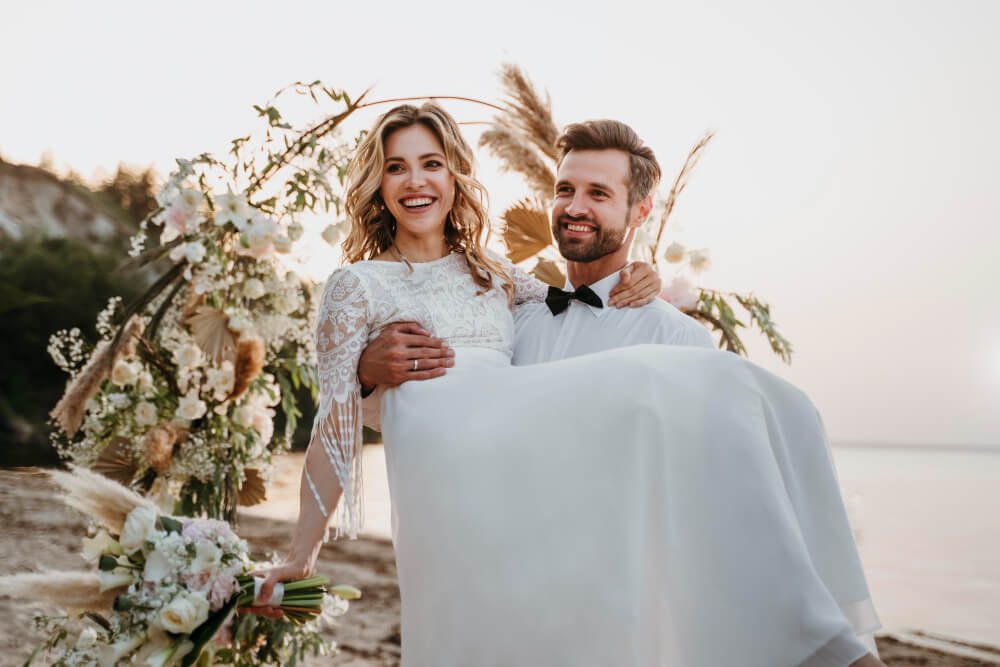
(388, 360)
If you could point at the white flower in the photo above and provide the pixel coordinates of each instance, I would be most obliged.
(87, 639)
(681, 293)
(119, 400)
(124, 373)
(332, 234)
(145, 381)
(220, 380)
(263, 423)
(145, 414)
(240, 325)
(94, 547)
(191, 407)
(283, 244)
(157, 567)
(193, 252)
(185, 612)
(140, 526)
(116, 578)
(111, 655)
(232, 208)
(208, 557)
(674, 252)
(699, 260)
(188, 356)
(257, 239)
(253, 289)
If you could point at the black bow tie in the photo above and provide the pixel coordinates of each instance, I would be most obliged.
(558, 300)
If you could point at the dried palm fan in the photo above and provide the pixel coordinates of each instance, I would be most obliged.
(70, 409)
(75, 590)
(549, 272)
(210, 330)
(158, 445)
(116, 461)
(517, 154)
(249, 363)
(526, 230)
(98, 497)
(253, 490)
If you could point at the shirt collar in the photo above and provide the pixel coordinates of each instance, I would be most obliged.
(602, 288)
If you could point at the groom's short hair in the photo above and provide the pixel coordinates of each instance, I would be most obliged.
(600, 135)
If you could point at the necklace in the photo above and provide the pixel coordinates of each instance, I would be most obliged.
(399, 254)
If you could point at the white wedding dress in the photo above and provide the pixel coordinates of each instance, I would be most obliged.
(650, 505)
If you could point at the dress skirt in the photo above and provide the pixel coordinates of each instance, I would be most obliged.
(649, 505)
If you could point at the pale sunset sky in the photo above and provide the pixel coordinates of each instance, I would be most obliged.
(853, 183)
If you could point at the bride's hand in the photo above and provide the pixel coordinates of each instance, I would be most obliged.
(639, 284)
(291, 570)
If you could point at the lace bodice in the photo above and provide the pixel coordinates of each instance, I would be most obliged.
(358, 301)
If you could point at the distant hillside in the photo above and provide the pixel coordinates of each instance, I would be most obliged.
(35, 202)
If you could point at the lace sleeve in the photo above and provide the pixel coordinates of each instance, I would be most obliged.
(527, 288)
(335, 446)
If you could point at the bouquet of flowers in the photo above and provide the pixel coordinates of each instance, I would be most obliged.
(165, 591)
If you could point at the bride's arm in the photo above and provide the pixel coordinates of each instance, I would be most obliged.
(333, 459)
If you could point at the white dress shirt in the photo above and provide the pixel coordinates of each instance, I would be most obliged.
(582, 329)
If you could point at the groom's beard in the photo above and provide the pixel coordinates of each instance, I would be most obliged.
(603, 242)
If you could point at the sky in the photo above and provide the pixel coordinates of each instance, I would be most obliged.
(852, 183)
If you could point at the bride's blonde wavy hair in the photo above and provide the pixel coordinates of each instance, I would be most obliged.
(372, 226)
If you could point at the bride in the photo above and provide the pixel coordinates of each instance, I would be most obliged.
(640, 506)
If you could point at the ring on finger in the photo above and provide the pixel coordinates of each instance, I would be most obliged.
(416, 364)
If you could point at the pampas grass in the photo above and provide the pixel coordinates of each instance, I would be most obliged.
(250, 358)
(98, 497)
(70, 409)
(527, 111)
(73, 590)
(158, 445)
(518, 155)
(679, 184)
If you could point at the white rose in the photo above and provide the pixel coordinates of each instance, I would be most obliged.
(674, 252)
(124, 373)
(283, 244)
(220, 380)
(94, 547)
(332, 234)
(243, 415)
(194, 252)
(208, 557)
(681, 294)
(140, 526)
(116, 578)
(188, 356)
(145, 414)
(191, 407)
(232, 208)
(253, 289)
(699, 260)
(157, 567)
(111, 655)
(185, 612)
(145, 381)
(264, 425)
(87, 639)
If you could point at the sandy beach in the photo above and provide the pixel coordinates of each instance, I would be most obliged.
(40, 532)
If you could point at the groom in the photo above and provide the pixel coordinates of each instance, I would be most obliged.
(603, 193)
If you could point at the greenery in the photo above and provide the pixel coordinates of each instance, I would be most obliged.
(45, 285)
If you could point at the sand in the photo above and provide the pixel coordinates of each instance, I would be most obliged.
(40, 532)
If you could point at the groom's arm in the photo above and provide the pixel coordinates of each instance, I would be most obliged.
(388, 360)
